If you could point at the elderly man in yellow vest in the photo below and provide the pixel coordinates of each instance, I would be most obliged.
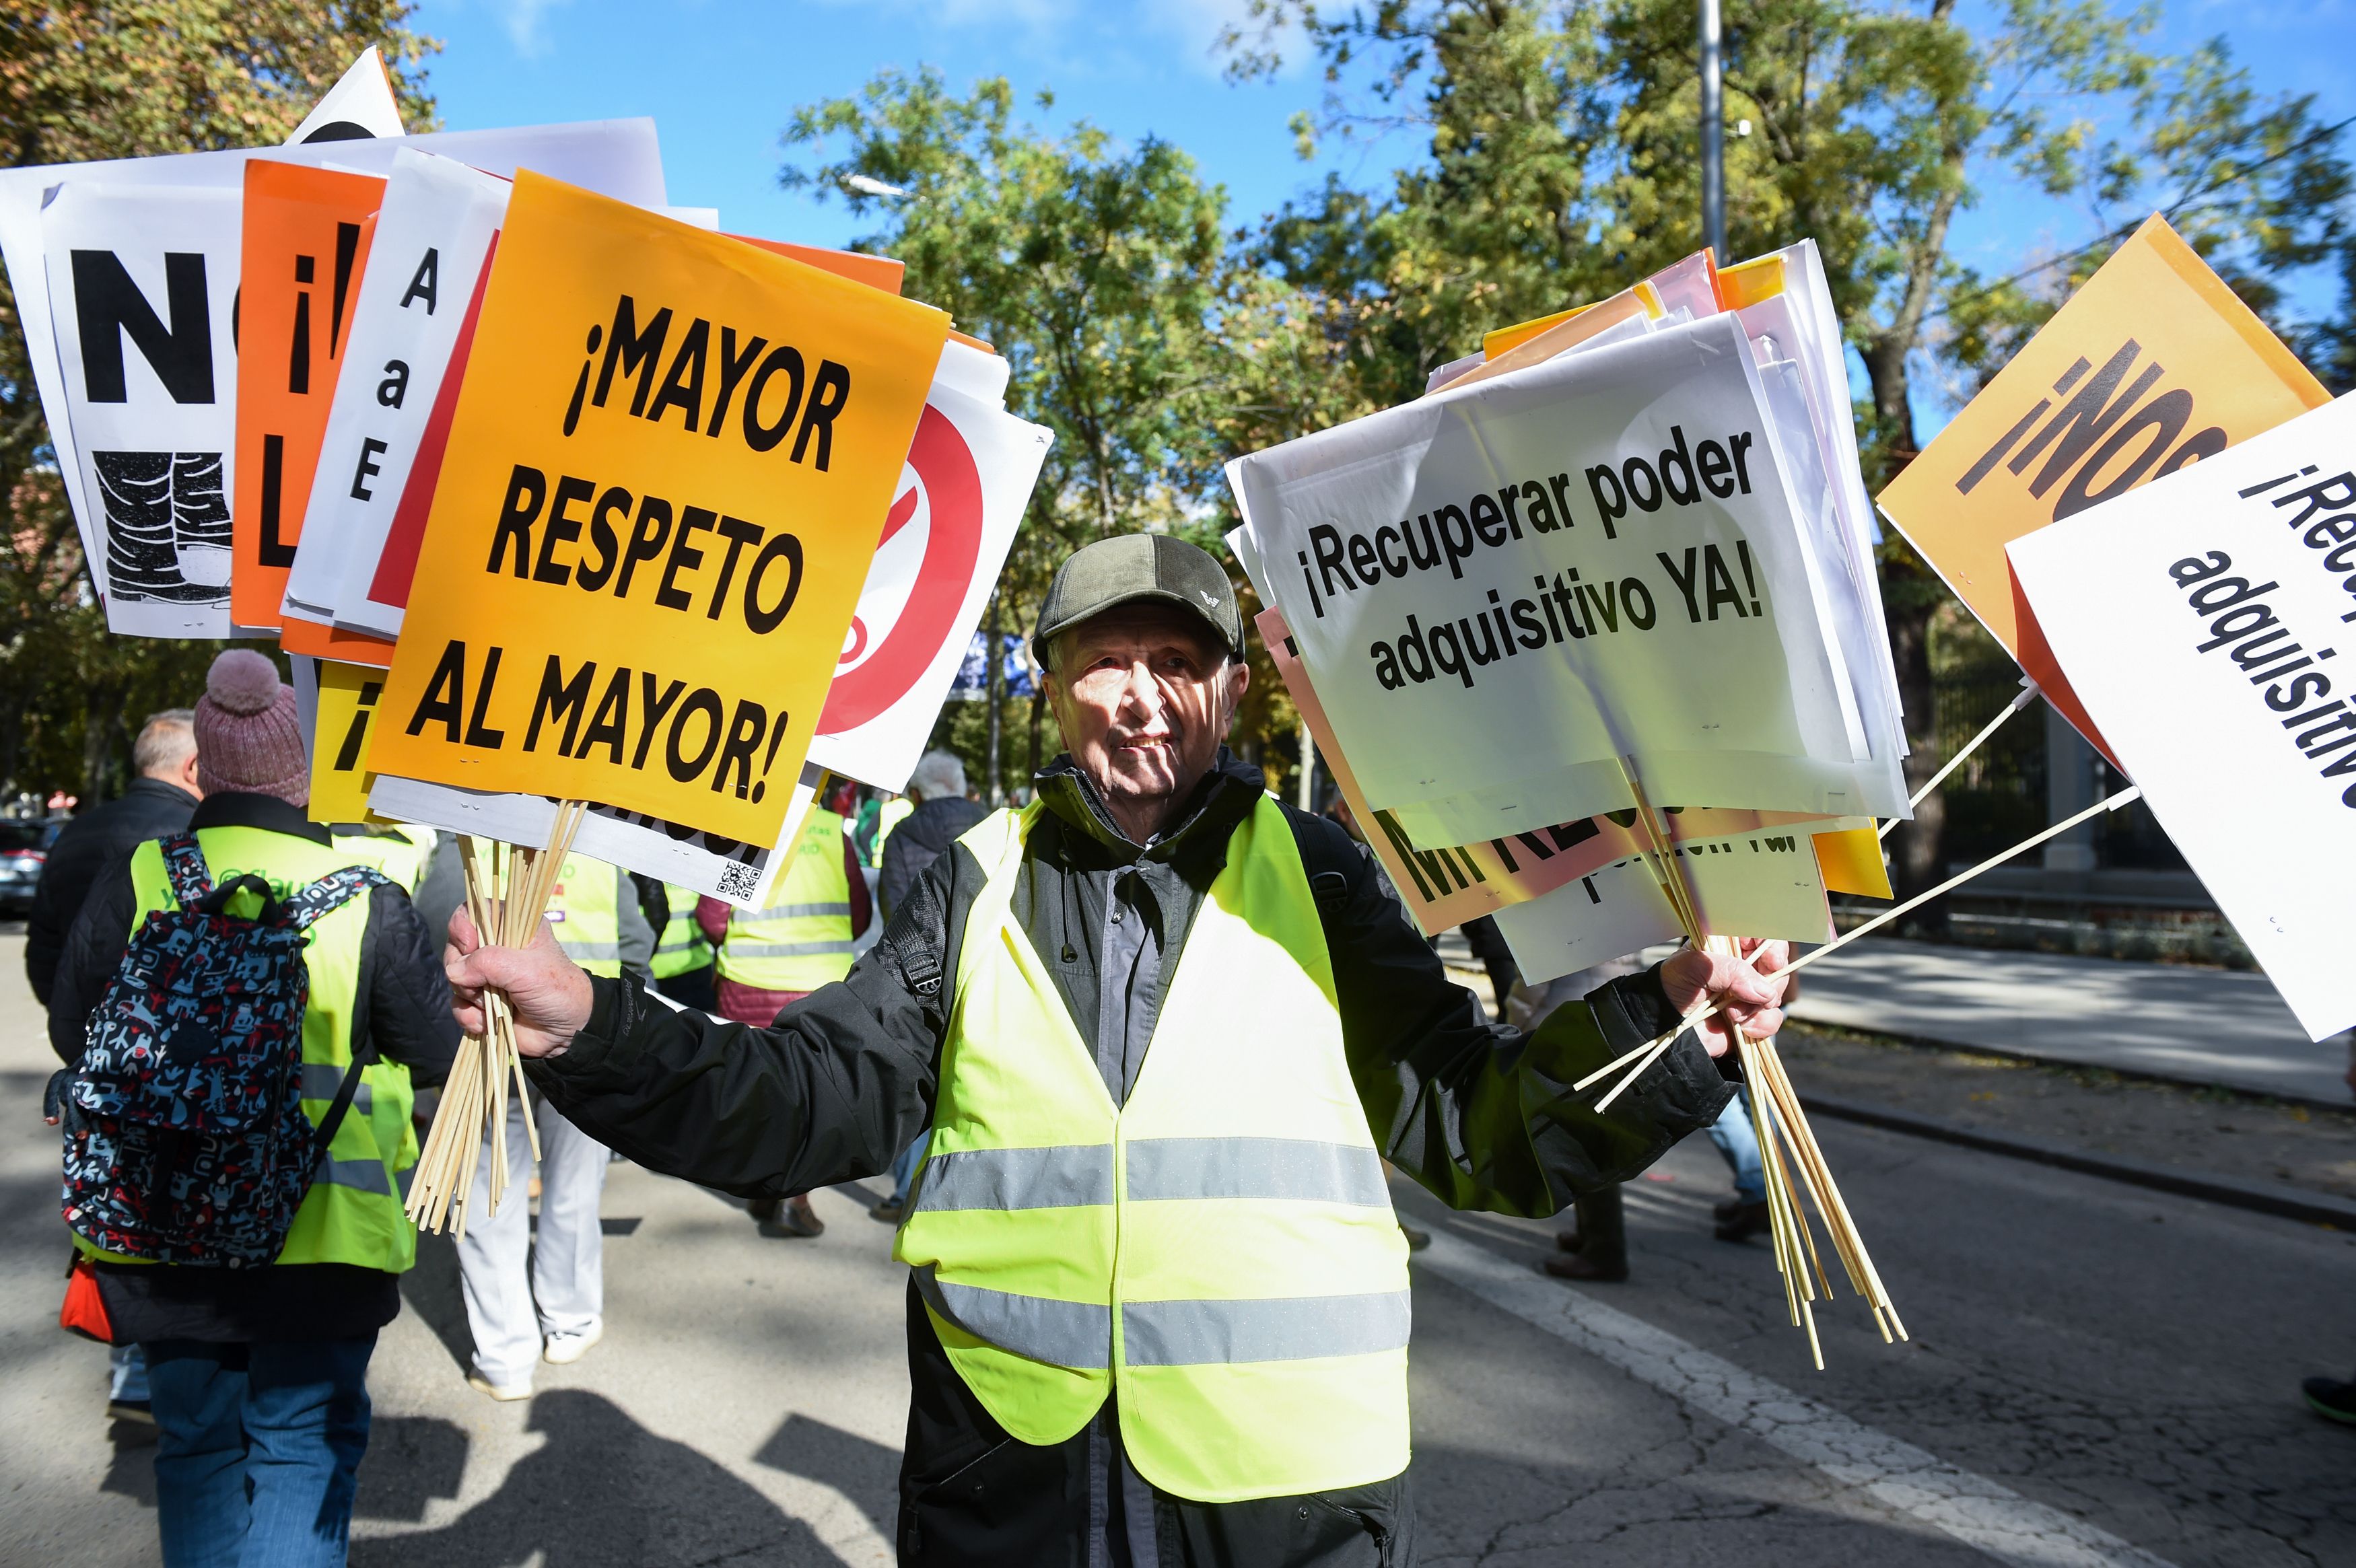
(1168, 1029)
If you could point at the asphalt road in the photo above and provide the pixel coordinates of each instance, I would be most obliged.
(2097, 1376)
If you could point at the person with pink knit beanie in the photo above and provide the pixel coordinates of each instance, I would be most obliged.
(247, 737)
(258, 1377)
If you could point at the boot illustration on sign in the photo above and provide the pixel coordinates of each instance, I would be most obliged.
(167, 524)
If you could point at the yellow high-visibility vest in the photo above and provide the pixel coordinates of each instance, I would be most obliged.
(1220, 1252)
(401, 853)
(895, 811)
(352, 1214)
(585, 910)
(801, 938)
(681, 948)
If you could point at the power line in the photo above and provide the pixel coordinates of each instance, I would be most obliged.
(2124, 230)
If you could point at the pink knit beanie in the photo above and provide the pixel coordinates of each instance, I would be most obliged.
(247, 739)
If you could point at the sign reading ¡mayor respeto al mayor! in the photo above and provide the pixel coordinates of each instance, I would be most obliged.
(669, 464)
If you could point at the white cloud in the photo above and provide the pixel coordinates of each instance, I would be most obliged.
(525, 23)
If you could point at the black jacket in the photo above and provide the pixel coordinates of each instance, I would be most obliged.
(86, 847)
(1480, 1115)
(404, 1014)
(923, 834)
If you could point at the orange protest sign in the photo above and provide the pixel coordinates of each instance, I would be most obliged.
(297, 636)
(306, 241)
(2153, 365)
(667, 472)
(875, 272)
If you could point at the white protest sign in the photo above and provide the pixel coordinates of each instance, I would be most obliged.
(145, 285)
(434, 228)
(740, 874)
(2199, 619)
(613, 157)
(1764, 883)
(967, 478)
(1501, 592)
(359, 106)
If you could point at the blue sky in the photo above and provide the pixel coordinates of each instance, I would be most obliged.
(722, 77)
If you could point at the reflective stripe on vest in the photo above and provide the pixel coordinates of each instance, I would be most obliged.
(801, 938)
(584, 913)
(1063, 1244)
(352, 1214)
(681, 948)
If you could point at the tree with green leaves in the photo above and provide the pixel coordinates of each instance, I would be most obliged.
(1103, 274)
(1563, 161)
(94, 79)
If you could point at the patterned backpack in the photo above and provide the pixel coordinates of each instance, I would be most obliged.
(185, 1137)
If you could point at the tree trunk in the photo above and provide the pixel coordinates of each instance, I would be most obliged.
(1910, 596)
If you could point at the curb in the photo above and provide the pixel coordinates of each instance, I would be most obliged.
(2021, 1053)
(2259, 1196)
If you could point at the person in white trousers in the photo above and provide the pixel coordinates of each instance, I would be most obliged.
(556, 1311)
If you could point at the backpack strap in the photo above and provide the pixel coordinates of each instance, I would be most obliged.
(330, 894)
(323, 897)
(364, 1056)
(184, 863)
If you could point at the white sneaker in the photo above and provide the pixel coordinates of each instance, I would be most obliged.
(563, 1350)
(502, 1392)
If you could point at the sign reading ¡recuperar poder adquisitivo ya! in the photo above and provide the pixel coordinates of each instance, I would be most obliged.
(670, 460)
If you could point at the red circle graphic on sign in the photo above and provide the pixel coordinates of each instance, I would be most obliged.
(952, 488)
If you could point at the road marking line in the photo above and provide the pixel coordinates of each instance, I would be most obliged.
(1919, 1484)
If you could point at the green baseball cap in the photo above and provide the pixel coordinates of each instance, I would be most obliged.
(1138, 566)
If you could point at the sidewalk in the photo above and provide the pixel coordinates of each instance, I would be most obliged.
(2218, 1027)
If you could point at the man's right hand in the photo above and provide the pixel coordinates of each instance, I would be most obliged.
(547, 992)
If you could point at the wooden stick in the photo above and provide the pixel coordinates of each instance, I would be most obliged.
(2028, 693)
(2127, 797)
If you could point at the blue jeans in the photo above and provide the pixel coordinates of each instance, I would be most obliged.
(127, 1377)
(1738, 1140)
(904, 1169)
(258, 1450)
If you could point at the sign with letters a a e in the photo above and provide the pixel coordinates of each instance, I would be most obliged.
(432, 233)
(668, 465)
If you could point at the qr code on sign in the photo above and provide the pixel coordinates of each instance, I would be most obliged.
(738, 880)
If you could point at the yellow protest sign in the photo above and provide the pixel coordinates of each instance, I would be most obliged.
(2153, 365)
(671, 462)
(339, 741)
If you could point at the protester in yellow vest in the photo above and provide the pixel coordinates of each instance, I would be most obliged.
(683, 955)
(803, 936)
(1168, 1029)
(552, 1308)
(892, 812)
(258, 1376)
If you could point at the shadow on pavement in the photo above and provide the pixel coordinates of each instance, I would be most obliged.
(411, 1460)
(604, 1492)
(867, 1473)
(131, 1473)
(430, 1290)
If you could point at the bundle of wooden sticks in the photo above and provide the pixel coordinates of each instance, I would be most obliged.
(1787, 1145)
(508, 889)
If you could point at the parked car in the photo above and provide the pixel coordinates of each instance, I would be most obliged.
(24, 849)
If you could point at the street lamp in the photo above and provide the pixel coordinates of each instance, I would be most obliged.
(1713, 132)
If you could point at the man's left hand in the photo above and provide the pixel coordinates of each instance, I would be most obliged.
(1745, 993)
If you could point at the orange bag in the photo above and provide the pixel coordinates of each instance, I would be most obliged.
(84, 1312)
